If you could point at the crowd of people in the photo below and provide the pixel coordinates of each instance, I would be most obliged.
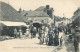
(27, 32)
(51, 35)
(46, 34)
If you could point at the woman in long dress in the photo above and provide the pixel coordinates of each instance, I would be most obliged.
(56, 34)
(50, 37)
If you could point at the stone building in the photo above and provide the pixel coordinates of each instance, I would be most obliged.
(43, 13)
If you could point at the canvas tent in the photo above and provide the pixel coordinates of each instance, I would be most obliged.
(9, 23)
(7, 27)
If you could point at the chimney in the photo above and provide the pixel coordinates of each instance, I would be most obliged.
(52, 9)
(47, 6)
(20, 10)
(30, 10)
(23, 10)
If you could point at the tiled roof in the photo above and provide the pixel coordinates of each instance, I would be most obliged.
(8, 13)
(34, 14)
(42, 8)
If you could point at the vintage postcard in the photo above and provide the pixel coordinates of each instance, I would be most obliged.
(39, 25)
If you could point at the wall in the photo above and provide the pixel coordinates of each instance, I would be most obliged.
(39, 19)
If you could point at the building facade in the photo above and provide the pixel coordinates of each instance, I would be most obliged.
(43, 13)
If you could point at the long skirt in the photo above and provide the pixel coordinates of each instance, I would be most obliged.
(56, 41)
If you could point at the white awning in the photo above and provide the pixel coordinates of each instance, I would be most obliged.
(9, 23)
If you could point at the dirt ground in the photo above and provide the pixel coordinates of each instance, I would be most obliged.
(32, 45)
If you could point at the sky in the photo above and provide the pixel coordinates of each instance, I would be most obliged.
(66, 7)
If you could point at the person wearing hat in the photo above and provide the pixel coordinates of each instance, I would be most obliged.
(50, 37)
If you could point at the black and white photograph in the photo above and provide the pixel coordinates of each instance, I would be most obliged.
(39, 25)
